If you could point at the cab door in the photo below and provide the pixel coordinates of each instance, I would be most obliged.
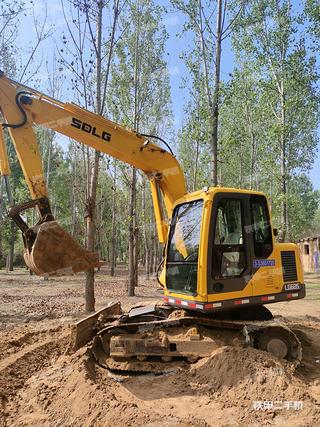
(230, 248)
(266, 272)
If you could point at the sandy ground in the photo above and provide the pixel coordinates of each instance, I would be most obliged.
(40, 385)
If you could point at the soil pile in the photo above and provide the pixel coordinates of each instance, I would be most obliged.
(232, 387)
(24, 352)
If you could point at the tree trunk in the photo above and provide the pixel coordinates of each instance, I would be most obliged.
(195, 170)
(73, 193)
(252, 146)
(240, 167)
(133, 250)
(113, 222)
(151, 252)
(99, 107)
(132, 240)
(283, 172)
(215, 102)
(90, 230)
(155, 256)
(91, 200)
(11, 247)
(145, 232)
(136, 250)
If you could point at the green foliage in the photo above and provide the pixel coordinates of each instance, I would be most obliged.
(303, 206)
(194, 152)
(312, 11)
(269, 111)
(140, 78)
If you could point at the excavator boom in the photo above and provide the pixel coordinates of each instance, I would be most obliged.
(49, 249)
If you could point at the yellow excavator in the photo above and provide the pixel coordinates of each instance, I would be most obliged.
(221, 263)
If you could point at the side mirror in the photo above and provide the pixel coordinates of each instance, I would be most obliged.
(275, 232)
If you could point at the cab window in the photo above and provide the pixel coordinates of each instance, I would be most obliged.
(183, 248)
(229, 254)
(260, 227)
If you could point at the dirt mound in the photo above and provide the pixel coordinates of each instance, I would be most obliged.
(222, 390)
(42, 387)
(75, 392)
(24, 352)
(260, 386)
(231, 367)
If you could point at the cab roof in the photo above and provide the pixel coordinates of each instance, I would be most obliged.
(209, 192)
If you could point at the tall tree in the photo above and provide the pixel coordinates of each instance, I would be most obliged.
(245, 140)
(270, 34)
(113, 251)
(210, 30)
(140, 93)
(85, 58)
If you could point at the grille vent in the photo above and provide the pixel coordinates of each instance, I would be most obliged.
(289, 268)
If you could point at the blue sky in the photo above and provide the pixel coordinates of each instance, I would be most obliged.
(175, 45)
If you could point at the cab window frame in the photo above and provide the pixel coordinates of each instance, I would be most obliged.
(241, 248)
(261, 250)
(191, 266)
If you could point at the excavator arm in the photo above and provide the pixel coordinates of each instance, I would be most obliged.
(46, 243)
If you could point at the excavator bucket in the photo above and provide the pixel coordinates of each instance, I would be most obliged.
(55, 252)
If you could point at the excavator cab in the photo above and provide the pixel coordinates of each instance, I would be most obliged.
(221, 253)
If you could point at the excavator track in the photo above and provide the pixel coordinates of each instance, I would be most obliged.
(137, 367)
(134, 344)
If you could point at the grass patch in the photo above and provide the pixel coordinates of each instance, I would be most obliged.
(313, 297)
(313, 291)
(313, 285)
